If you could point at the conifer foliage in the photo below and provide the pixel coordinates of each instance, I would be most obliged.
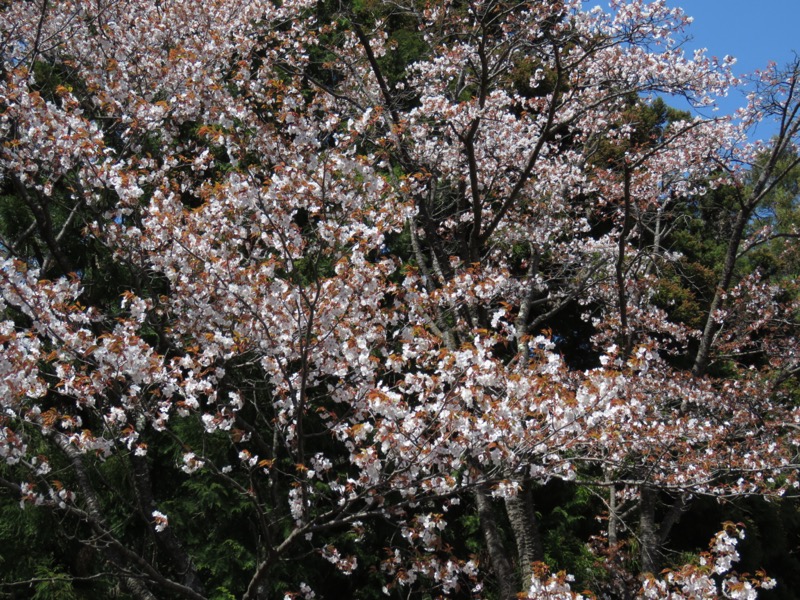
(298, 292)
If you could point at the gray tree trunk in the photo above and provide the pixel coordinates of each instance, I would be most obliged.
(498, 555)
(522, 516)
(649, 540)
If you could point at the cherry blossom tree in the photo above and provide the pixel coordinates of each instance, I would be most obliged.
(255, 258)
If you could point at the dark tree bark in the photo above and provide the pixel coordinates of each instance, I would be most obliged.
(522, 516)
(167, 540)
(649, 541)
(498, 555)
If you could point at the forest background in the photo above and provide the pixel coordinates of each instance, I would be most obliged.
(369, 299)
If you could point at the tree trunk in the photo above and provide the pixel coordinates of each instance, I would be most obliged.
(613, 517)
(649, 542)
(134, 586)
(498, 556)
(167, 539)
(711, 327)
(522, 516)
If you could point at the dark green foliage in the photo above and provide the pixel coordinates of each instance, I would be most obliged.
(772, 536)
(566, 513)
(42, 556)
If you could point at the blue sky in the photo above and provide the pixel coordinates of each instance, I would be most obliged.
(754, 31)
